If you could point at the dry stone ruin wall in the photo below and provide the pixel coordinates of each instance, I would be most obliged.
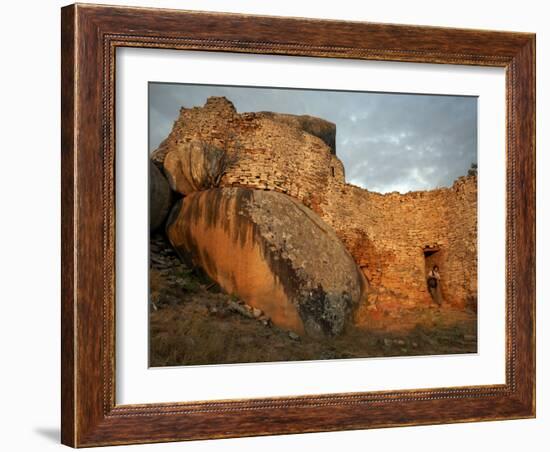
(268, 151)
(397, 238)
(392, 237)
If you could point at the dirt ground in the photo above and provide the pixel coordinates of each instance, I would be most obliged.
(193, 323)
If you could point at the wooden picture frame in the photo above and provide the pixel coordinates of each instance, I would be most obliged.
(90, 36)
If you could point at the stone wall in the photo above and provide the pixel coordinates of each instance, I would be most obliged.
(268, 151)
(392, 237)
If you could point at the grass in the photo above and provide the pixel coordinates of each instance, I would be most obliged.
(194, 326)
(198, 331)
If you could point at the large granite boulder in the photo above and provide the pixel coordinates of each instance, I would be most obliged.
(160, 198)
(194, 166)
(273, 253)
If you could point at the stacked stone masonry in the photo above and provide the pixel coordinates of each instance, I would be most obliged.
(394, 238)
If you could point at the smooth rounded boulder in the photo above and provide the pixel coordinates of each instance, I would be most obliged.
(194, 166)
(273, 253)
(160, 197)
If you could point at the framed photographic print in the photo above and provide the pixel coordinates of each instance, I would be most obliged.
(281, 225)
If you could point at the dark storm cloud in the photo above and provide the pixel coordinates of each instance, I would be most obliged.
(387, 142)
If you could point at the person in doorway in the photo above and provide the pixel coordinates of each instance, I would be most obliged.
(434, 286)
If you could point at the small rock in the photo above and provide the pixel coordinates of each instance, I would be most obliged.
(157, 259)
(172, 300)
(256, 313)
(414, 344)
(292, 335)
(400, 342)
(388, 342)
(241, 309)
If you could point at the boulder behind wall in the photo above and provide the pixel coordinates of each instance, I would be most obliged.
(160, 197)
(321, 128)
(273, 253)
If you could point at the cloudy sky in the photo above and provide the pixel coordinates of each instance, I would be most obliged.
(387, 142)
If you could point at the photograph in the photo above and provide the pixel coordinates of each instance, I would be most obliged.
(298, 224)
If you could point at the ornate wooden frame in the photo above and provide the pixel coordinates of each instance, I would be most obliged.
(90, 35)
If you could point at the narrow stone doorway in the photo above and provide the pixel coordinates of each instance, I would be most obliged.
(432, 257)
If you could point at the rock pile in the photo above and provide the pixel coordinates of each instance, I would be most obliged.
(178, 280)
(164, 261)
